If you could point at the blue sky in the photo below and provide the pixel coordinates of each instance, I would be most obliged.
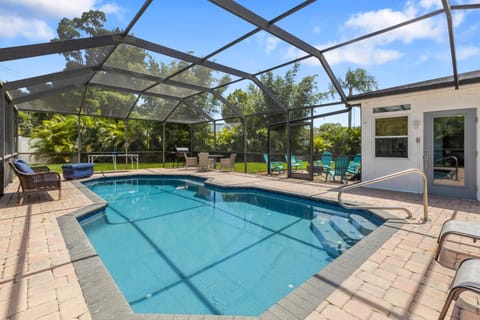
(414, 53)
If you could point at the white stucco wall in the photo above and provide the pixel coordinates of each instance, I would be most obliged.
(467, 97)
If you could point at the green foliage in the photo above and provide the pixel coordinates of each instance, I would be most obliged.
(265, 112)
(55, 139)
(230, 139)
(337, 139)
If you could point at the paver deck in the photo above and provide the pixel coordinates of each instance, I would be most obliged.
(401, 280)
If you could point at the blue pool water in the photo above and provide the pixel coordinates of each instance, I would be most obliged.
(174, 245)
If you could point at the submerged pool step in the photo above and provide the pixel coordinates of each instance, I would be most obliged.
(331, 241)
(345, 229)
(317, 211)
(362, 224)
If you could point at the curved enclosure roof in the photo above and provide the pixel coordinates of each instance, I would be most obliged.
(196, 52)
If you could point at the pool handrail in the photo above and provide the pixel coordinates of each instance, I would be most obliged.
(388, 177)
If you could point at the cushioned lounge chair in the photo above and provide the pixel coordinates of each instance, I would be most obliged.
(34, 179)
(274, 165)
(467, 278)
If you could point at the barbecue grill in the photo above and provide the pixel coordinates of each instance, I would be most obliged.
(180, 153)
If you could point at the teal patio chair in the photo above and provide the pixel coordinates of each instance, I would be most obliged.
(274, 165)
(326, 159)
(354, 165)
(295, 164)
(339, 169)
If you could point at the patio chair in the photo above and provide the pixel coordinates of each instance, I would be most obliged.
(325, 160)
(354, 166)
(228, 162)
(295, 164)
(190, 161)
(274, 165)
(203, 161)
(339, 169)
(466, 278)
(33, 179)
(460, 228)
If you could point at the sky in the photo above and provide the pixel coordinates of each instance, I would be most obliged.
(410, 54)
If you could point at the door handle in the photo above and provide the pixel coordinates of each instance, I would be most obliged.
(425, 159)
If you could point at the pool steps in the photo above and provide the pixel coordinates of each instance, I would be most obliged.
(331, 241)
(338, 231)
(362, 224)
(346, 229)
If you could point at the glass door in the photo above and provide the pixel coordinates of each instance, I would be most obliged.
(449, 153)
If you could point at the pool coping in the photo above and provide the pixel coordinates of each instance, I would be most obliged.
(105, 300)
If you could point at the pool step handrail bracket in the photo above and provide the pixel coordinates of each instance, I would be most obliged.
(384, 178)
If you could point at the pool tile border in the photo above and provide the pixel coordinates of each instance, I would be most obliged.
(105, 300)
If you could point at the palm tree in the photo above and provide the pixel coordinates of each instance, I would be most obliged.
(358, 81)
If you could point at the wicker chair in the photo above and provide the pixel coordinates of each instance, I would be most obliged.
(203, 163)
(190, 161)
(33, 179)
(228, 163)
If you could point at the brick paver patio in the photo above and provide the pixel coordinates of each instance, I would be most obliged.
(401, 280)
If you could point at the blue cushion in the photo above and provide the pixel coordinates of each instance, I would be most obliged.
(22, 166)
(77, 170)
(78, 165)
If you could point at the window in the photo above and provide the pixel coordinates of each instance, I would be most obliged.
(391, 137)
(400, 107)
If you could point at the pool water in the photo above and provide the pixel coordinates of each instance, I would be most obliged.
(174, 245)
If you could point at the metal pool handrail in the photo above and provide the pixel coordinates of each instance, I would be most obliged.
(388, 177)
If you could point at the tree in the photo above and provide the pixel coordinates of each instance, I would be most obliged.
(264, 111)
(337, 139)
(356, 81)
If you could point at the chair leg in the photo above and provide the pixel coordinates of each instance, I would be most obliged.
(440, 241)
(452, 296)
(22, 197)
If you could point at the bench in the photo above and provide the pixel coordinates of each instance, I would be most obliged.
(77, 170)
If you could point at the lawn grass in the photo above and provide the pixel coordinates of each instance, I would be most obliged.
(252, 167)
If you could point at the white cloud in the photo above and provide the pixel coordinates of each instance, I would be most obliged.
(467, 52)
(57, 8)
(458, 17)
(384, 47)
(430, 4)
(368, 22)
(271, 44)
(112, 8)
(36, 19)
(32, 29)
(362, 55)
(317, 30)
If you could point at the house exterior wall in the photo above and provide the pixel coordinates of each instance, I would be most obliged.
(467, 97)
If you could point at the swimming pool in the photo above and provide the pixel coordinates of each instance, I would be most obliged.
(174, 245)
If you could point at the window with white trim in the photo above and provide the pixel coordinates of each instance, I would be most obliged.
(391, 137)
